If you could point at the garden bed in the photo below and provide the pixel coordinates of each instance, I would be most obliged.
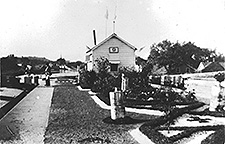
(2, 103)
(10, 92)
(142, 104)
(184, 127)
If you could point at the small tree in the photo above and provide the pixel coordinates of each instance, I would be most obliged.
(102, 65)
(105, 81)
(87, 78)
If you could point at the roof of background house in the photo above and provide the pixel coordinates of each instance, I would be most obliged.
(215, 66)
(191, 67)
(140, 61)
(206, 63)
(161, 70)
(222, 64)
(108, 38)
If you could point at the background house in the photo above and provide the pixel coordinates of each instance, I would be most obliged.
(184, 68)
(211, 66)
(119, 53)
(181, 69)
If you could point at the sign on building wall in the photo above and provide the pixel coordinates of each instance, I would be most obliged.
(113, 50)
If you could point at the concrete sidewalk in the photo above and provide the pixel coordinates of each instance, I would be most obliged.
(28, 119)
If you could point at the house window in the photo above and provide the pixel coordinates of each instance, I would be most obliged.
(113, 67)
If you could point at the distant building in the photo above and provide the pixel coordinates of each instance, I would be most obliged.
(119, 53)
(211, 66)
(184, 68)
(181, 69)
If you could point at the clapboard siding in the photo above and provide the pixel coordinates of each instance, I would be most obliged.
(126, 54)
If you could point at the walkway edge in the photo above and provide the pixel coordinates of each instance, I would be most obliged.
(140, 111)
(140, 137)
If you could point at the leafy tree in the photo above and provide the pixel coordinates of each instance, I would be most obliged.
(104, 81)
(171, 55)
(102, 66)
(9, 64)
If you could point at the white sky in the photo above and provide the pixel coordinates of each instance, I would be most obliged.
(48, 28)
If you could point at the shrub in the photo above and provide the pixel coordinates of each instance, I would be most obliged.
(216, 138)
(220, 77)
(104, 80)
(87, 78)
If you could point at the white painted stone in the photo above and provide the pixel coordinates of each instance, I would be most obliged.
(170, 132)
(140, 137)
(116, 102)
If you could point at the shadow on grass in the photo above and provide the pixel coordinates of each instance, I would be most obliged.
(125, 120)
(94, 140)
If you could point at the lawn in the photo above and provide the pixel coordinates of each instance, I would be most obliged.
(76, 118)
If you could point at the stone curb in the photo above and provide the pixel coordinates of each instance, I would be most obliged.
(140, 137)
(81, 89)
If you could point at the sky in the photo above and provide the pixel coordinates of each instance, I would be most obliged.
(54, 28)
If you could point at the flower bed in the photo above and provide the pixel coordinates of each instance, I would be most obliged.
(152, 129)
(140, 94)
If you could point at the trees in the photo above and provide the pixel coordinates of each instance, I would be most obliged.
(171, 55)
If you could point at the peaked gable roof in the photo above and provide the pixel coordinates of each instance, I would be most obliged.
(206, 63)
(214, 66)
(110, 37)
(222, 64)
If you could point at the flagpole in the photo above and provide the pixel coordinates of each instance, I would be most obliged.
(105, 27)
(114, 26)
(114, 20)
(106, 20)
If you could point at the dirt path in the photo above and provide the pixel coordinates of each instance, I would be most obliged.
(26, 122)
(76, 118)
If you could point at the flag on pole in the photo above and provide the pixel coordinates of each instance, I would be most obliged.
(88, 47)
(141, 48)
(107, 14)
(115, 16)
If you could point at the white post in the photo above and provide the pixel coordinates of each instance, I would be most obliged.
(179, 80)
(123, 83)
(27, 79)
(78, 78)
(174, 80)
(117, 107)
(162, 80)
(113, 105)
